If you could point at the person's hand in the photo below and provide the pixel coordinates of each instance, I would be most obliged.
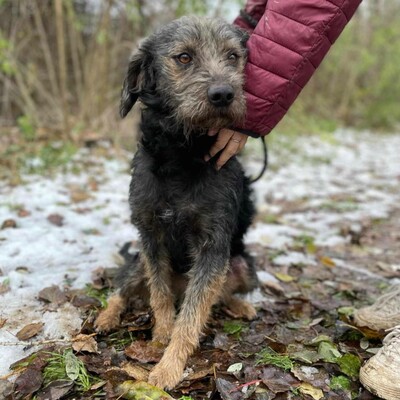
(231, 142)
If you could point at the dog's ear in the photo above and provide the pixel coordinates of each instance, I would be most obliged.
(139, 78)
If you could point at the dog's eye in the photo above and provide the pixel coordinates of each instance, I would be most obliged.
(184, 58)
(233, 57)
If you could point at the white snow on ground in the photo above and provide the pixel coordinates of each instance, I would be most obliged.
(360, 171)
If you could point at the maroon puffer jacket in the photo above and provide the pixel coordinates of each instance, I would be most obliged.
(287, 45)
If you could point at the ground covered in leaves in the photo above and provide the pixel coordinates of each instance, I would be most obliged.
(326, 240)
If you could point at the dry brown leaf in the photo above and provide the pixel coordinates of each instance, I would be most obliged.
(2, 322)
(56, 219)
(86, 343)
(9, 223)
(23, 213)
(29, 331)
(78, 194)
(200, 374)
(52, 294)
(136, 371)
(29, 381)
(145, 352)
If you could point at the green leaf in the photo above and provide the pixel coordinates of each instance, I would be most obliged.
(310, 390)
(340, 383)
(72, 365)
(306, 356)
(131, 390)
(328, 352)
(235, 367)
(284, 277)
(350, 365)
(346, 311)
(235, 328)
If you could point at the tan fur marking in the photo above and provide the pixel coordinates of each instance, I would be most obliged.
(162, 300)
(239, 307)
(109, 318)
(185, 336)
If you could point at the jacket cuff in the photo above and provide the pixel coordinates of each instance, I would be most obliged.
(247, 132)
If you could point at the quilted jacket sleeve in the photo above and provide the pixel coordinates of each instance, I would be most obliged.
(287, 45)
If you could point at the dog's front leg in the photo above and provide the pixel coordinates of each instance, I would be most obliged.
(162, 300)
(206, 280)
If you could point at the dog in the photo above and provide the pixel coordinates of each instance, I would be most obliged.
(191, 217)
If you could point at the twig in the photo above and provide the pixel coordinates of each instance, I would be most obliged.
(255, 382)
(49, 341)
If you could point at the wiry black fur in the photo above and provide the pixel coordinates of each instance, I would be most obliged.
(178, 201)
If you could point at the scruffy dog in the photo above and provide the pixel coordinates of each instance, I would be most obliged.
(191, 217)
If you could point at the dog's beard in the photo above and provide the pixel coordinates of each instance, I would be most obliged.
(205, 116)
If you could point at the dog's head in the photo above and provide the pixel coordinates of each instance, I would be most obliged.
(193, 69)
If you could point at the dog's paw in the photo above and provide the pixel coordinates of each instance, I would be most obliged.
(165, 377)
(248, 311)
(106, 322)
(240, 308)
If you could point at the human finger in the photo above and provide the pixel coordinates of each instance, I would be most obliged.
(231, 149)
(223, 138)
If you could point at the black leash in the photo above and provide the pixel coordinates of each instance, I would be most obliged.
(265, 164)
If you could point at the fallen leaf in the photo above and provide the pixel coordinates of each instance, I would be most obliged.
(312, 391)
(277, 380)
(327, 262)
(135, 371)
(306, 356)
(141, 391)
(284, 277)
(29, 331)
(52, 294)
(328, 352)
(86, 343)
(56, 390)
(227, 390)
(22, 213)
(340, 383)
(200, 374)
(56, 219)
(84, 301)
(78, 195)
(9, 223)
(145, 352)
(29, 381)
(2, 322)
(235, 367)
(6, 389)
(72, 365)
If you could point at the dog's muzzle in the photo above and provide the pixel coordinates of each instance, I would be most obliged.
(221, 95)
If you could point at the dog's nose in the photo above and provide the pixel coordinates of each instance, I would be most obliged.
(221, 95)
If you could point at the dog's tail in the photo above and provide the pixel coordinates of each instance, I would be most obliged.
(130, 278)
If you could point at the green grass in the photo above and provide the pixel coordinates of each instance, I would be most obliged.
(121, 339)
(99, 294)
(268, 356)
(66, 366)
(235, 328)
